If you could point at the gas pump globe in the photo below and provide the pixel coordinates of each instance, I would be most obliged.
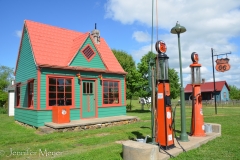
(162, 59)
(195, 69)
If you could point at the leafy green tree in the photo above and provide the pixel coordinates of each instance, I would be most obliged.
(6, 75)
(234, 92)
(173, 76)
(143, 70)
(174, 83)
(133, 76)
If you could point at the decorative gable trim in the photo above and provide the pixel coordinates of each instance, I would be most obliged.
(98, 52)
(75, 52)
(89, 36)
(88, 53)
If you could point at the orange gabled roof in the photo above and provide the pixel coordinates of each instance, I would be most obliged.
(54, 46)
(50, 45)
(110, 60)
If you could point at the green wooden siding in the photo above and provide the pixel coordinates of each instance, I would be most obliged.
(38, 118)
(80, 60)
(111, 111)
(26, 70)
(33, 117)
(75, 114)
(77, 93)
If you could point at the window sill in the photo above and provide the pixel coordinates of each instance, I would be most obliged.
(111, 105)
(50, 107)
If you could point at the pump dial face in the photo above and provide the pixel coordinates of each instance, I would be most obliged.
(194, 57)
(161, 47)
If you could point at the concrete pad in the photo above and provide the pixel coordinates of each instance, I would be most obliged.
(135, 150)
(84, 122)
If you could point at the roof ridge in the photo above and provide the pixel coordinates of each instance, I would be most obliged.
(49, 25)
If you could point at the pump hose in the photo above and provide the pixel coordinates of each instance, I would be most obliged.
(160, 147)
(173, 123)
(156, 130)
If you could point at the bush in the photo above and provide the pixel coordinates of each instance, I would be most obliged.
(135, 98)
(4, 109)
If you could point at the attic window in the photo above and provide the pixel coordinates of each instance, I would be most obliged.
(88, 53)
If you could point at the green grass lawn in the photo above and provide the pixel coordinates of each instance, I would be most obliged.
(100, 144)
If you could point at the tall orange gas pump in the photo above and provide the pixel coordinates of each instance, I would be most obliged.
(163, 118)
(197, 123)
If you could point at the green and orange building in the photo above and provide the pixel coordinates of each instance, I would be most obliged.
(57, 67)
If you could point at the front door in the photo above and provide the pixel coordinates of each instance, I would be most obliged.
(88, 99)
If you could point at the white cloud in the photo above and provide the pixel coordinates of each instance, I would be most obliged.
(209, 24)
(18, 33)
(141, 36)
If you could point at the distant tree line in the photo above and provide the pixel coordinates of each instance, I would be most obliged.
(234, 92)
(136, 80)
(6, 75)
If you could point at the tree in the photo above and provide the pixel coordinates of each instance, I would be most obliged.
(234, 92)
(143, 70)
(6, 75)
(174, 83)
(133, 76)
(173, 76)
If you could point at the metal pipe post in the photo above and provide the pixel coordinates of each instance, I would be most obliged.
(183, 136)
(214, 92)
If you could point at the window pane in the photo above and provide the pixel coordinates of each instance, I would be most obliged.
(68, 95)
(116, 95)
(52, 88)
(105, 95)
(88, 87)
(116, 101)
(68, 88)
(60, 81)
(31, 87)
(84, 87)
(105, 89)
(60, 102)
(111, 101)
(60, 95)
(52, 102)
(110, 84)
(60, 88)
(105, 83)
(69, 102)
(105, 101)
(52, 95)
(52, 81)
(115, 84)
(68, 81)
(110, 95)
(91, 88)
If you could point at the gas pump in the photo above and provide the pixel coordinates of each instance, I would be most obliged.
(163, 120)
(197, 122)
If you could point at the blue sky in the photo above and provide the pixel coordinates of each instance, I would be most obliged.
(126, 25)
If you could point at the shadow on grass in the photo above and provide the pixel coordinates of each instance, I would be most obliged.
(138, 111)
(121, 154)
